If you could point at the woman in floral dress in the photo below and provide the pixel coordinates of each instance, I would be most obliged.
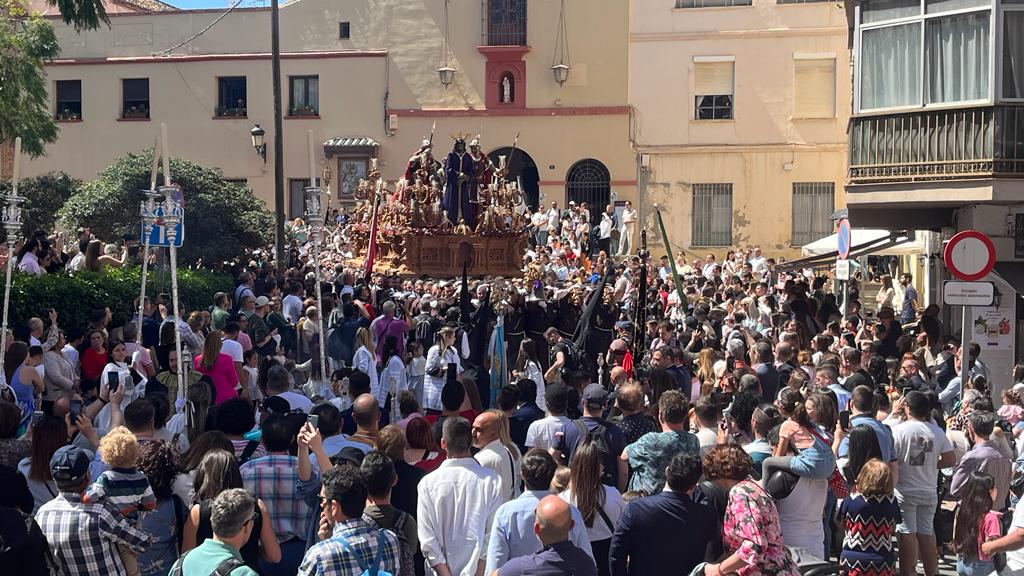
(752, 536)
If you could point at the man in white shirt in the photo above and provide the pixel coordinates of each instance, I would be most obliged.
(291, 306)
(278, 385)
(554, 218)
(626, 233)
(494, 455)
(604, 234)
(758, 264)
(542, 433)
(540, 224)
(456, 506)
(922, 448)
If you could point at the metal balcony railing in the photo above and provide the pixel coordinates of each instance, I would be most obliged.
(938, 144)
(504, 23)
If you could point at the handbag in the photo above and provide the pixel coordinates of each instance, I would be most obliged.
(836, 482)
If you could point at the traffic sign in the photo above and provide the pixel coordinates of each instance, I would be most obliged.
(843, 238)
(158, 237)
(842, 269)
(957, 293)
(970, 255)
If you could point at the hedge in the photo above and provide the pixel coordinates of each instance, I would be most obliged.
(75, 296)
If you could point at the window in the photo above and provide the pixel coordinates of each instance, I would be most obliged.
(915, 53)
(1013, 54)
(814, 88)
(231, 96)
(135, 98)
(69, 100)
(344, 30)
(813, 204)
(297, 197)
(588, 181)
(506, 23)
(712, 215)
(713, 88)
(714, 3)
(305, 91)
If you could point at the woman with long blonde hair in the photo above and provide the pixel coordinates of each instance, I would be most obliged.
(706, 370)
(365, 359)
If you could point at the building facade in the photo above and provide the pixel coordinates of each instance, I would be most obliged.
(937, 143)
(741, 110)
(363, 76)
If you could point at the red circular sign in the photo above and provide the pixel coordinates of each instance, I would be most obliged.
(970, 255)
(843, 238)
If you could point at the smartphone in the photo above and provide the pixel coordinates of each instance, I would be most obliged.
(844, 419)
(76, 409)
(37, 417)
(906, 390)
(113, 381)
(314, 420)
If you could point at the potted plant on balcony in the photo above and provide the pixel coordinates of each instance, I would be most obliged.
(69, 115)
(137, 111)
(303, 110)
(237, 111)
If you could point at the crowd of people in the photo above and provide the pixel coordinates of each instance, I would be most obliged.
(584, 419)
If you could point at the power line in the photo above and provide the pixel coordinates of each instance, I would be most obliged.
(203, 31)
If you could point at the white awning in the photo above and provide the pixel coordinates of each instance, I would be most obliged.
(860, 237)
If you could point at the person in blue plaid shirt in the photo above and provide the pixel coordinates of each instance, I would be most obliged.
(83, 537)
(351, 544)
(274, 478)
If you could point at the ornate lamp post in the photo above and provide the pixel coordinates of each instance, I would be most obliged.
(172, 214)
(315, 221)
(147, 211)
(12, 226)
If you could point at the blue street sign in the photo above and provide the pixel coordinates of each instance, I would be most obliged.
(158, 237)
(843, 238)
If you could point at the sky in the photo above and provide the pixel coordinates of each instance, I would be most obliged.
(214, 4)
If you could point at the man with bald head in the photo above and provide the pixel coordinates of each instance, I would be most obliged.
(552, 524)
(494, 455)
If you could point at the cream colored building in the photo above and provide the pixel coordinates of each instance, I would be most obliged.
(362, 75)
(741, 110)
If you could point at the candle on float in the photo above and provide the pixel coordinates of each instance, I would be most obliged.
(312, 159)
(156, 163)
(17, 166)
(166, 154)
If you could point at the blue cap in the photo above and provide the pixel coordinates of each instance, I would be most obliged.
(69, 464)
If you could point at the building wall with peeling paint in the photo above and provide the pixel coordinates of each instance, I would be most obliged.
(765, 147)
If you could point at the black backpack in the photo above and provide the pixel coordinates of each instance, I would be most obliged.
(599, 436)
(223, 569)
(424, 332)
(406, 560)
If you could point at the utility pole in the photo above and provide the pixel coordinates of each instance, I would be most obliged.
(275, 60)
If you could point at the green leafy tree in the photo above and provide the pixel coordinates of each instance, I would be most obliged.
(27, 44)
(221, 219)
(45, 195)
(82, 14)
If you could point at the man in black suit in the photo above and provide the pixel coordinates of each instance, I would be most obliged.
(527, 413)
(646, 539)
(766, 371)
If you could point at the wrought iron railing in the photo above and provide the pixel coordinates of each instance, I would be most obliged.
(937, 144)
(504, 23)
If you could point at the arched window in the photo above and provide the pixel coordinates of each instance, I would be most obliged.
(589, 181)
(506, 22)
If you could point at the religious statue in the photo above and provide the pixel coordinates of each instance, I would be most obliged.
(423, 160)
(506, 90)
(483, 168)
(459, 182)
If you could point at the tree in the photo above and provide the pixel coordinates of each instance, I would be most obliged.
(221, 219)
(44, 196)
(27, 43)
(82, 14)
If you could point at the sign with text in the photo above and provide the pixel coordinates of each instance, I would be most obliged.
(957, 293)
(842, 269)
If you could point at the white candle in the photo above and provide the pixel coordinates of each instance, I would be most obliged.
(17, 165)
(312, 159)
(156, 163)
(166, 154)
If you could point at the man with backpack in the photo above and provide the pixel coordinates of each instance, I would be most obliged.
(353, 545)
(231, 516)
(564, 357)
(381, 477)
(425, 325)
(608, 436)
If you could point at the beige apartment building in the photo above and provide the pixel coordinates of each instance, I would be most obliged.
(741, 111)
(363, 76)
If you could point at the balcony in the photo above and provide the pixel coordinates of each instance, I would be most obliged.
(936, 145)
(504, 23)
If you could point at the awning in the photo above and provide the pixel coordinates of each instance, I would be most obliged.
(352, 145)
(861, 237)
(889, 243)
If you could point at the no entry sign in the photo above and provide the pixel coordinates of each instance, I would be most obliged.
(970, 255)
(843, 238)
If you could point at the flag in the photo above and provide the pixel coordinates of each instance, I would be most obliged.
(499, 364)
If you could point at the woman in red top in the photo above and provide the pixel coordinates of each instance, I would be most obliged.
(220, 368)
(93, 360)
(421, 450)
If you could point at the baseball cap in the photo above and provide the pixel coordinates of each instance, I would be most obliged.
(262, 301)
(595, 396)
(69, 465)
(623, 325)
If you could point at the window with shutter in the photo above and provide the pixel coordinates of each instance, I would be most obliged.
(813, 204)
(135, 98)
(69, 99)
(814, 88)
(713, 90)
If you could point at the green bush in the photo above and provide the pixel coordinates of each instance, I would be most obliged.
(44, 196)
(75, 296)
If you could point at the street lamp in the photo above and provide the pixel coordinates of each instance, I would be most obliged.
(561, 72)
(12, 226)
(257, 133)
(315, 220)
